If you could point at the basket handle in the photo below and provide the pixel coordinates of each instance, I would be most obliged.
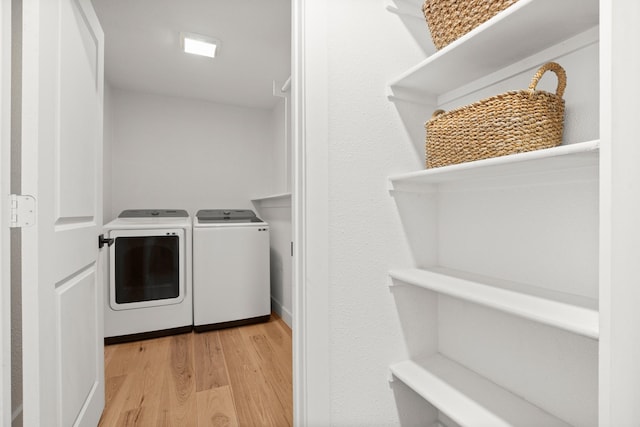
(560, 73)
(437, 113)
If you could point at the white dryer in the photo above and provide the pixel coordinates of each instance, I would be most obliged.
(231, 282)
(150, 286)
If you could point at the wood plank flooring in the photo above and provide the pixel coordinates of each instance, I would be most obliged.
(232, 377)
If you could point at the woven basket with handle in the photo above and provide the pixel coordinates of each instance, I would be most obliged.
(448, 20)
(509, 123)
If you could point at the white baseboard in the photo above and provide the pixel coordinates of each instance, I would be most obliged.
(283, 312)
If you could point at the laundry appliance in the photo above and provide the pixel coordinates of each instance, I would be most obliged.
(149, 290)
(231, 283)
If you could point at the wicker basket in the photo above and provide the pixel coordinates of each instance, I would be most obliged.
(448, 20)
(513, 122)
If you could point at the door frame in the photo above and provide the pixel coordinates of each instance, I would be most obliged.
(5, 256)
(311, 316)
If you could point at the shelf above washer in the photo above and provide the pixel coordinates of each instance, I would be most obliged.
(273, 201)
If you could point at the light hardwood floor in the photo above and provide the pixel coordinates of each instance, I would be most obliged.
(231, 377)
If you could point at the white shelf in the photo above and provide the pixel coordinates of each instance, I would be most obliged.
(272, 197)
(273, 201)
(468, 398)
(569, 312)
(525, 28)
(565, 157)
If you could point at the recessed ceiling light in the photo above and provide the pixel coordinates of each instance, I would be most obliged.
(199, 45)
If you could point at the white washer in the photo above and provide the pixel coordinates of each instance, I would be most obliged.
(231, 283)
(150, 285)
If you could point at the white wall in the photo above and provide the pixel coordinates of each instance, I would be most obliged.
(277, 212)
(281, 149)
(175, 153)
(366, 141)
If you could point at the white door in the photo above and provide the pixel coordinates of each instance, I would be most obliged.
(62, 95)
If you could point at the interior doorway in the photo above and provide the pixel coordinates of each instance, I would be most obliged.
(189, 132)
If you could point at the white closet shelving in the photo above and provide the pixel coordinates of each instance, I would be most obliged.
(569, 312)
(509, 43)
(468, 398)
(273, 200)
(556, 159)
(490, 46)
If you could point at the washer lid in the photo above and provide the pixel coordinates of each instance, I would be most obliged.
(227, 215)
(154, 213)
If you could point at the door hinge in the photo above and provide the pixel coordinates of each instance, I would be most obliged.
(23, 211)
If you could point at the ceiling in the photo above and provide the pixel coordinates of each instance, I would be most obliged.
(143, 53)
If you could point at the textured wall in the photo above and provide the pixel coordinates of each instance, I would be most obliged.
(368, 47)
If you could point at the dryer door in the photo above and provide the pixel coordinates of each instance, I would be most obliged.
(147, 268)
